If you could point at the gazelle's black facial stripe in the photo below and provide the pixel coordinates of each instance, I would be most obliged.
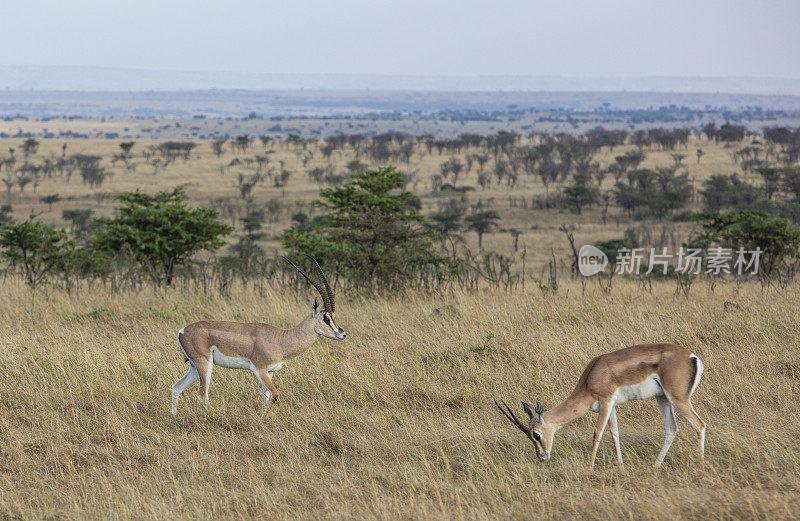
(537, 443)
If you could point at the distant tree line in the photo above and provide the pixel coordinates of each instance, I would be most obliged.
(370, 234)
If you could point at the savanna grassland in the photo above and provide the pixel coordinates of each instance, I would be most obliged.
(280, 173)
(398, 421)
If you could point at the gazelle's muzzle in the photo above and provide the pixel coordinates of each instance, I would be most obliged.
(338, 333)
(334, 336)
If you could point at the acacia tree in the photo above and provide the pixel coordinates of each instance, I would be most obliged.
(791, 181)
(371, 233)
(218, 146)
(729, 132)
(515, 234)
(81, 223)
(577, 196)
(657, 192)
(452, 166)
(35, 248)
(448, 224)
(29, 148)
(481, 223)
(160, 231)
(778, 241)
(49, 200)
(126, 147)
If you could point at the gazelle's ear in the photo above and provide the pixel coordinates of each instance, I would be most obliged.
(539, 408)
(533, 416)
(315, 307)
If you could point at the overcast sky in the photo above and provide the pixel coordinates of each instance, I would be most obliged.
(425, 37)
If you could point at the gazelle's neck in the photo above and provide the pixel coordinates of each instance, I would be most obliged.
(576, 405)
(300, 337)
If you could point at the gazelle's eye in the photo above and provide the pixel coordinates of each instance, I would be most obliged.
(326, 319)
(537, 436)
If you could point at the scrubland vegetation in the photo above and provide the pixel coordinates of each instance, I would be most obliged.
(497, 194)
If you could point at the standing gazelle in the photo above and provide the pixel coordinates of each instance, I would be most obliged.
(261, 348)
(666, 372)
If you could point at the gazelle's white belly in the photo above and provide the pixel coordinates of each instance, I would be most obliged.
(231, 362)
(236, 362)
(644, 390)
(649, 388)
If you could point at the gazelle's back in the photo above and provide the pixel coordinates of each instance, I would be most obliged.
(232, 338)
(632, 365)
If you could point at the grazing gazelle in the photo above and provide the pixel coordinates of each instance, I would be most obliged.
(666, 372)
(261, 348)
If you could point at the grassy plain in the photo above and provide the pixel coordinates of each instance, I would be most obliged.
(398, 421)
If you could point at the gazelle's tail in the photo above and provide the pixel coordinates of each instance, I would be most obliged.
(186, 358)
(698, 373)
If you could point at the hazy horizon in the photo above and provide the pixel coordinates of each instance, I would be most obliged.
(573, 39)
(93, 79)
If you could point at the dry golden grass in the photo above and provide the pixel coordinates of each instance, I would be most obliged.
(398, 421)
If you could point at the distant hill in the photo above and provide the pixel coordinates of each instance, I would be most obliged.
(46, 78)
(322, 103)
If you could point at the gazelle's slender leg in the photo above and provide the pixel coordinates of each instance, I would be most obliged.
(204, 370)
(186, 380)
(268, 389)
(670, 426)
(698, 424)
(265, 392)
(612, 420)
(602, 419)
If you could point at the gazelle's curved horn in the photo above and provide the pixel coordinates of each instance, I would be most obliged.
(513, 419)
(327, 285)
(319, 287)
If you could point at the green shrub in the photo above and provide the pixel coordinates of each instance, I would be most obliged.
(371, 234)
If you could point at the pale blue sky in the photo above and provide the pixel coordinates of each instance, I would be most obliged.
(427, 37)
